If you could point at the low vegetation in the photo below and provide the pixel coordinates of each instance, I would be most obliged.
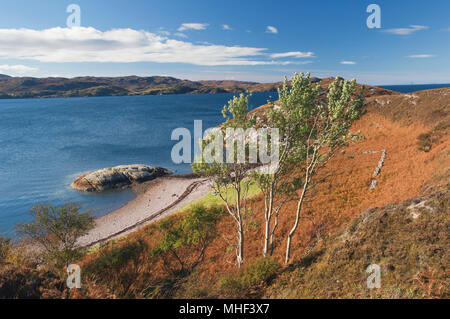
(55, 231)
(425, 141)
(36, 266)
(185, 243)
(5, 248)
(251, 280)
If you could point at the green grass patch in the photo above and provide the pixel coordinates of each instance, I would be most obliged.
(212, 199)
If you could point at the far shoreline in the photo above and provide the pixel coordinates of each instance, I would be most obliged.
(125, 95)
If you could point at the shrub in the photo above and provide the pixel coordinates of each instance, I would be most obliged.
(116, 258)
(184, 243)
(56, 230)
(255, 274)
(117, 267)
(5, 248)
(425, 142)
(25, 283)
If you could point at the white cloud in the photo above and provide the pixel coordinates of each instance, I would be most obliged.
(193, 26)
(348, 62)
(87, 44)
(293, 54)
(271, 29)
(16, 69)
(226, 27)
(406, 31)
(181, 35)
(421, 56)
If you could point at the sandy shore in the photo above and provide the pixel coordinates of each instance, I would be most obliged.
(155, 199)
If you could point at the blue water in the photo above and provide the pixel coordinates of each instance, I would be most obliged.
(414, 87)
(46, 143)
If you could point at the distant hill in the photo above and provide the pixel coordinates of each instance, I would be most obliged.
(29, 87)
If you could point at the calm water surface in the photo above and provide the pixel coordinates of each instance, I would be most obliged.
(46, 143)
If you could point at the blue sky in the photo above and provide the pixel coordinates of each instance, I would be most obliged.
(262, 40)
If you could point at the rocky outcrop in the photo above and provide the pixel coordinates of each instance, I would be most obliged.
(117, 177)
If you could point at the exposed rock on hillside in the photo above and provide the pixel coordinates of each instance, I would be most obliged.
(117, 177)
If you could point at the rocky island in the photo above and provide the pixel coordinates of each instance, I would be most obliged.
(117, 177)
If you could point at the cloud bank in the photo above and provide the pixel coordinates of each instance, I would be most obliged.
(87, 44)
(16, 69)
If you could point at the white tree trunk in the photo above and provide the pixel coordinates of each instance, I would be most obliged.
(297, 219)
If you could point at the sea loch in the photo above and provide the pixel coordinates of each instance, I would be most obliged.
(46, 143)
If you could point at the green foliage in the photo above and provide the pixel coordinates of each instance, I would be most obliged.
(56, 230)
(5, 248)
(197, 224)
(235, 112)
(260, 271)
(302, 116)
(311, 131)
(230, 181)
(193, 234)
(252, 276)
(212, 199)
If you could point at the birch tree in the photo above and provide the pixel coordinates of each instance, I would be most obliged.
(229, 177)
(56, 230)
(290, 115)
(324, 128)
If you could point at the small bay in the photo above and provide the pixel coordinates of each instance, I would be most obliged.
(46, 143)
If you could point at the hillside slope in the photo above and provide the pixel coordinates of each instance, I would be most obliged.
(407, 236)
(409, 241)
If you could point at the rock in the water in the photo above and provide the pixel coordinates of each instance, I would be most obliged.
(117, 177)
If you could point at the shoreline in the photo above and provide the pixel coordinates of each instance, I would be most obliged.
(154, 199)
